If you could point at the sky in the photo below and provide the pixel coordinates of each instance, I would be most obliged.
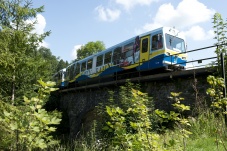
(74, 23)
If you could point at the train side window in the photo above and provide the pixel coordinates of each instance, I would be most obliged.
(83, 66)
(71, 70)
(99, 60)
(116, 55)
(128, 50)
(89, 64)
(144, 45)
(108, 57)
(157, 42)
(77, 69)
(68, 72)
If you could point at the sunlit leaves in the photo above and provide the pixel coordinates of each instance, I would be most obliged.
(220, 26)
(216, 92)
(211, 92)
(22, 62)
(89, 49)
(130, 124)
(31, 123)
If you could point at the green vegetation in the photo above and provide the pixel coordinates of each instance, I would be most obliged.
(24, 123)
(89, 49)
(219, 26)
(29, 126)
(128, 120)
(20, 51)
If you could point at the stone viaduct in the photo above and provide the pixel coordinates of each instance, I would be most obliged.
(78, 104)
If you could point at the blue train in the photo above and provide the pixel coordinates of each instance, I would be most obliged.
(162, 48)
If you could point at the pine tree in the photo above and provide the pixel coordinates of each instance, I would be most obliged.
(20, 64)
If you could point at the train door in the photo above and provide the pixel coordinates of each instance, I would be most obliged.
(144, 48)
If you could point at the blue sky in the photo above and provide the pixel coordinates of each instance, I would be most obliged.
(74, 23)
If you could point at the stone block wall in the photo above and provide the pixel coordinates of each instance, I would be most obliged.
(79, 106)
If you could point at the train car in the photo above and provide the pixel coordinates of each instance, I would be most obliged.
(59, 78)
(162, 48)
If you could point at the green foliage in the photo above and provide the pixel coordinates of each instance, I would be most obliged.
(61, 65)
(128, 121)
(131, 127)
(21, 63)
(220, 32)
(203, 126)
(29, 126)
(219, 102)
(204, 144)
(48, 63)
(15, 13)
(219, 105)
(89, 49)
(177, 117)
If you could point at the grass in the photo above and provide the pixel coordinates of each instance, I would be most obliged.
(204, 130)
(204, 144)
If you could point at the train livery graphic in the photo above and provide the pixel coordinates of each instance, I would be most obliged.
(162, 48)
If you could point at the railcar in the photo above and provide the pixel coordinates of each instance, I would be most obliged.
(59, 78)
(162, 48)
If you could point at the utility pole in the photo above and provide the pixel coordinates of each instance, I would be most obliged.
(223, 76)
(223, 73)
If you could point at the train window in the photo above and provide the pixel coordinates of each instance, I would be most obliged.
(71, 74)
(83, 66)
(128, 47)
(89, 64)
(108, 57)
(144, 45)
(77, 69)
(157, 42)
(116, 55)
(99, 61)
(128, 50)
(175, 43)
(74, 68)
(68, 72)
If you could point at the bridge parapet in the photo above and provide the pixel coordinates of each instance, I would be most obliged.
(79, 103)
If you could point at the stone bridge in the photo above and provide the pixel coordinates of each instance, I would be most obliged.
(78, 104)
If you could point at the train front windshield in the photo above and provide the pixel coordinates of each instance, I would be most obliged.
(175, 43)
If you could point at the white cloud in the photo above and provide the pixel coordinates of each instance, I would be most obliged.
(41, 24)
(129, 4)
(39, 27)
(197, 33)
(148, 27)
(188, 13)
(106, 14)
(44, 44)
(74, 51)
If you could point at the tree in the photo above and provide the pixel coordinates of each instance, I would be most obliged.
(127, 121)
(62, 64)
(220, 30)
(20, 63)
(89, 49)
(28, 127)
(50, 62)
